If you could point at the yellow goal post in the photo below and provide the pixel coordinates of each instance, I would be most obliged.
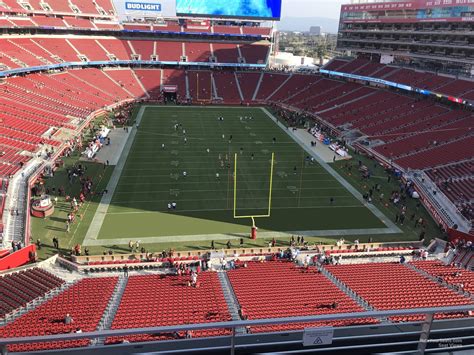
(269, 193)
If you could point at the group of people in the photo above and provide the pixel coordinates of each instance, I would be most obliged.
(134, 246)
(298, 241)
(16, 245)
(123, 114)
(172, 206)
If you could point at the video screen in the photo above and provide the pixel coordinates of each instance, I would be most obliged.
(256, 9)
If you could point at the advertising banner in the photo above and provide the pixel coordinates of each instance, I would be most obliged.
(145, 8)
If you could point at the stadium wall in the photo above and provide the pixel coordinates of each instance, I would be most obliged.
(18, 258)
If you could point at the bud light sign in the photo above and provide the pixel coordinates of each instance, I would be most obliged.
(141, 6)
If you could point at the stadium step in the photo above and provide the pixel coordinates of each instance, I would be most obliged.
(186, 80)
(17, 200)
(347, 102)
(300, 91)
(45, 61)
(257, 88)
(116, 83)
(230, 299)
(279, 87)
(238, 86)
(214, 89)
(363, 303)
(112, 308)
(141, 84)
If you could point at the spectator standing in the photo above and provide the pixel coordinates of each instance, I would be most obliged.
(68, 319)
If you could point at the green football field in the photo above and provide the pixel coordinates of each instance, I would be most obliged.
(153, 176)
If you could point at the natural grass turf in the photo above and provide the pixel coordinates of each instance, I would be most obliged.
(153, 177)
(55, 225)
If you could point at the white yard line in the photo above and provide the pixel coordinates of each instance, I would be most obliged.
(179, 212)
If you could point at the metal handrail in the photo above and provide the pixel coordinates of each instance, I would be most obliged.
(236, 324)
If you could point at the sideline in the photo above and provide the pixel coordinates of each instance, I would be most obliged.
(99, 216)
(392, 228)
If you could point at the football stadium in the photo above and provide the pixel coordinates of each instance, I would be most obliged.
(172, 183)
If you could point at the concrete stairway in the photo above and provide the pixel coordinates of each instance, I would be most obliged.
(230, 299)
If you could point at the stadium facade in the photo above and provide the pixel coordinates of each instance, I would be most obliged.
(436, 35)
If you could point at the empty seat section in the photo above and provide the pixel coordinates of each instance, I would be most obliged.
(32, 47)
(106, 5)
(19, 288)
(151, 80)
(22, 21)
(254, 53)
(48, 21)
(225, 52)
(227, 29)
(107, 26)
(171, 302)
(36, 4)
(127, 80)
(89, 48)
(460, 278)
(15, 52)
(119, 48)
(252, 30)
(12, 5)
(58, 47)
(388, 286)
(270, 83)
(74, 95)
(295, 84)
(282, 289)
(169, 51)
(145, 49)
(226, 86)
(439, 155)
(197, 51)
(167, 27)
(335, 64)
(76, 22)
(84, 301)
(76, 86)
(86, 6)
(60, 6)
(248, 83)
(96, 78)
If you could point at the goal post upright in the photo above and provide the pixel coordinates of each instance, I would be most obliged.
(252, 217)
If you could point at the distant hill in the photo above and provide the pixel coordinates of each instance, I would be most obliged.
(302, 24)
